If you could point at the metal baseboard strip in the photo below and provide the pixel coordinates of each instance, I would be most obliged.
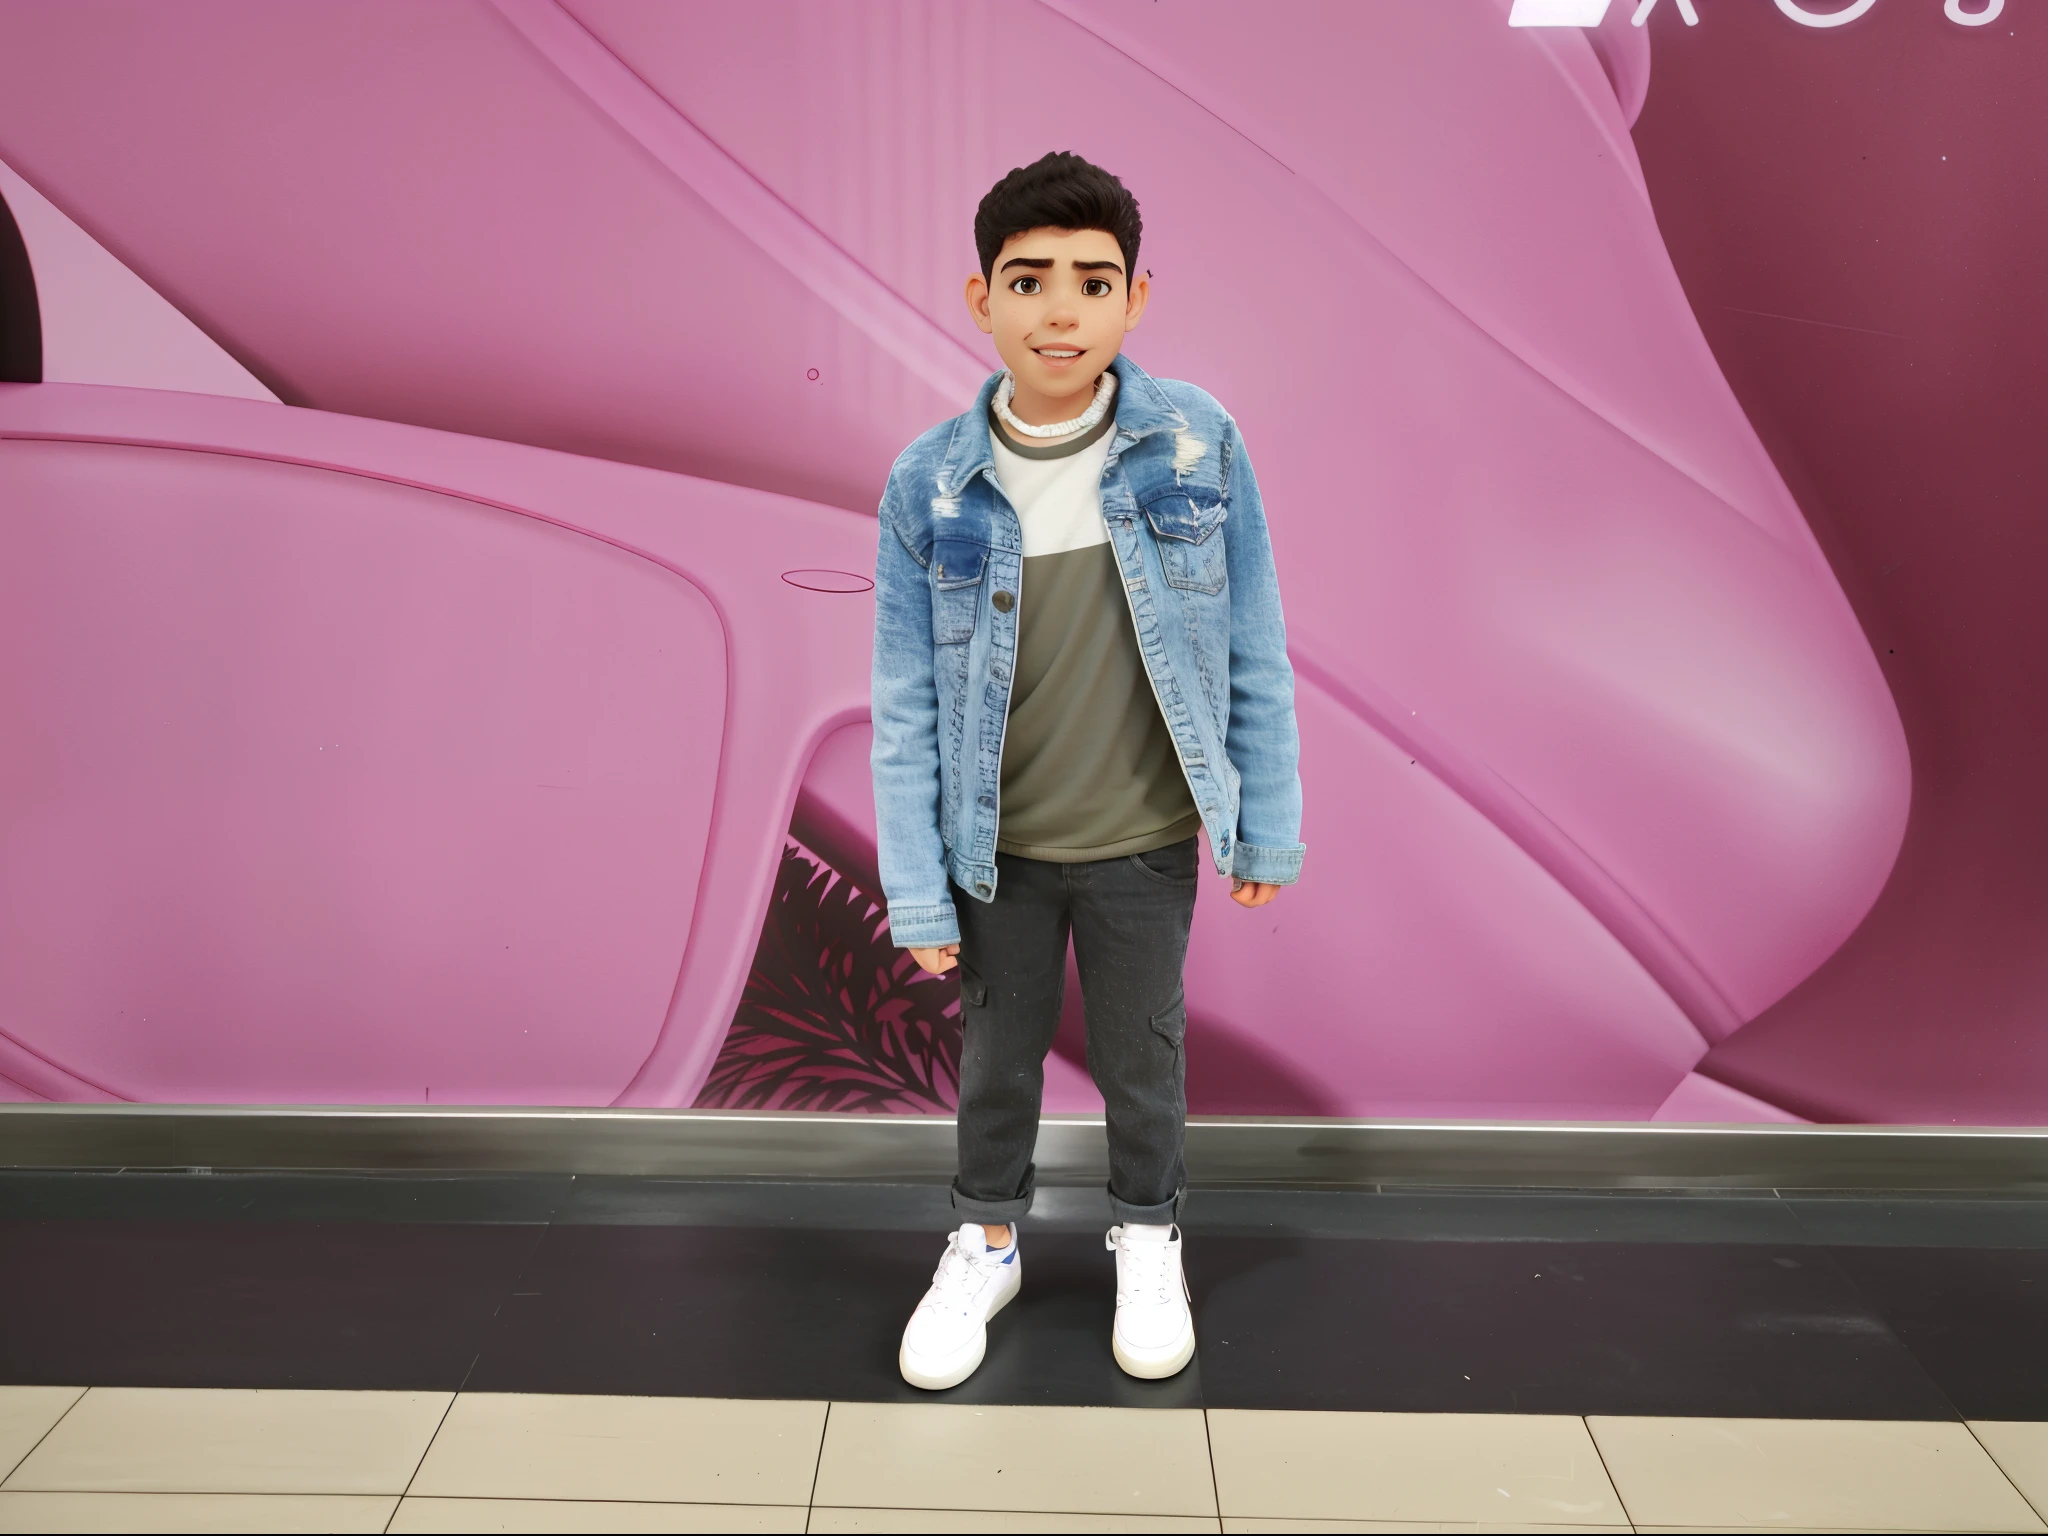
(1222, 1151)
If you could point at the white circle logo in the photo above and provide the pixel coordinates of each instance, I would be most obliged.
(1841, 18)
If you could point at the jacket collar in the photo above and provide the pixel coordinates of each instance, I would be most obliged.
(1141, 409)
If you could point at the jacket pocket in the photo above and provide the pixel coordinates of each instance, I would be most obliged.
(1190, 540)
(956, 571)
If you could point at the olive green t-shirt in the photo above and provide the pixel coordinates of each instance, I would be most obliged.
(1089, 770)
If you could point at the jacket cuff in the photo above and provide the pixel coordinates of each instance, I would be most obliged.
(1268, 866)
(926, 927)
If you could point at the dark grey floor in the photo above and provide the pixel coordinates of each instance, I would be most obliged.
(1810, 1305)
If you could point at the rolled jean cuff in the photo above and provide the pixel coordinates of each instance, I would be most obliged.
(995, 1213)
(1159, 1215)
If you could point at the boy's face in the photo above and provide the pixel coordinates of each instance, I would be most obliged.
(1058, 307)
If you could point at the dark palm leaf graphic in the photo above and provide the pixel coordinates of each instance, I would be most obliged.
(834, 1016)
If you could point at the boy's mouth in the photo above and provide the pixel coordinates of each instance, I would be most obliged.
(1059, 357)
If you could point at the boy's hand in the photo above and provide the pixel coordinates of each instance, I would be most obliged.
(1251, 893)
(937, 961)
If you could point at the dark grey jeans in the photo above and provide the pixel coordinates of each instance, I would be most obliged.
(1129, 919)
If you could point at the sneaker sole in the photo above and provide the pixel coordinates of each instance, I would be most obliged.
(1158, 1366)
(962, 1368)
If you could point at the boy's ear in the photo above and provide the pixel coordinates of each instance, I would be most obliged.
(977, 304)
(1134, 304)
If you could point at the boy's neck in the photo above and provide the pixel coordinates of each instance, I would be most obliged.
(1037, 410)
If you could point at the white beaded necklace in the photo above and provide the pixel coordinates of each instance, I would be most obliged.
(1105, 391)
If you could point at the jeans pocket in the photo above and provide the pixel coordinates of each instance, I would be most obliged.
(1177, 864)
(1171, 1022)
(973, 990)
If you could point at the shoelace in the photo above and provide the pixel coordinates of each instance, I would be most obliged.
(1144, 1271)
(958, 1278)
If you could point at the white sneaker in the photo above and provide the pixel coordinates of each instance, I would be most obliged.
(948, 1333)
(1155, 1333)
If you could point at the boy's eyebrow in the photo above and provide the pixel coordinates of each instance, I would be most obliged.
(1042, 262)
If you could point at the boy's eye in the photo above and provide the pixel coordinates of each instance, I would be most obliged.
(1096, 288)
(1024, 285)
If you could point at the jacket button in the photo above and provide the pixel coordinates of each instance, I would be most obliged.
(1003, 601)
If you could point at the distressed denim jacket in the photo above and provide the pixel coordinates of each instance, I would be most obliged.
(1190, 537)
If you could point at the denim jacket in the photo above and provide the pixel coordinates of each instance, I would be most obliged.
(1190, 537)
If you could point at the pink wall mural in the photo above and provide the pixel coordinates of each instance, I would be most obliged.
(486, 722)
(1868, 273)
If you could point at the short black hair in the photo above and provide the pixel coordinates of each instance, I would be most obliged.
(1057, 191)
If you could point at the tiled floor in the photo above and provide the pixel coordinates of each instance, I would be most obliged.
(227, 1459)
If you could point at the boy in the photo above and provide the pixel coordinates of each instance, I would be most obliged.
(1079, 674)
